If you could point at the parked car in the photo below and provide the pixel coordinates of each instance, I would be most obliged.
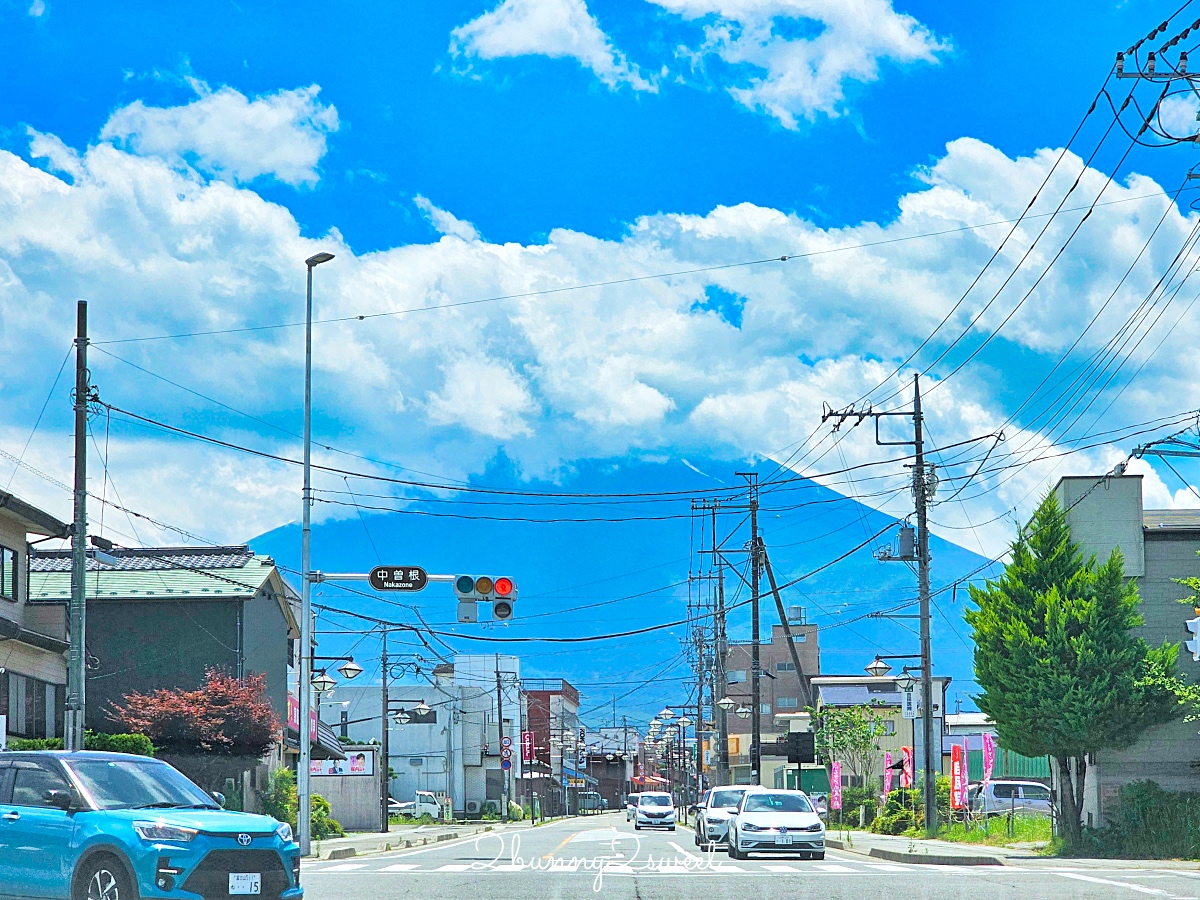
(631, 803)
(1003, 796)
(713, 813)
(654, 809)
(776, 822)
(118, 827)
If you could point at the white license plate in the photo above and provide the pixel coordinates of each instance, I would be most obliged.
(783, 839)
(245, 883)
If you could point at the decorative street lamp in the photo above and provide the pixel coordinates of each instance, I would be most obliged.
(323, 682)
(743, 712)
(726, 703)
(906, 682)
(666, 715)
(878, 668)
(423, 709)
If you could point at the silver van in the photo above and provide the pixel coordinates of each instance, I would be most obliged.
(1004, 795)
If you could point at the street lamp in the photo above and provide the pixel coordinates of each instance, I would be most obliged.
(403, 717)
(684, 722)
(323, 682)
(350, 669)
(666, 715)
(878, 668)
(905, 682)
(423, 708)
(726, 703)
(743, 712)
(303, 783)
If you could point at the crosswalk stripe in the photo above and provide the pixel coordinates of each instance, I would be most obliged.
(401, 867)
(453, 867)
(344, 867)
(886, 867)
(781, 868)
(509, 867)
(831, 868)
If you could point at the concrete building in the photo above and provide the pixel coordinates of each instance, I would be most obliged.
(33, 676)
(552, 716)
(1159, 546)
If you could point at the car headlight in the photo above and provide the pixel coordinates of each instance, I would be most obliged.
(285, 832)
(750, 827)
(161, 831)
(817, 827)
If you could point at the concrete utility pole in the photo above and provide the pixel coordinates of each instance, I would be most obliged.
(77, 671)
(722, 644)
(755, 638)
(924, 484)
(384, 746)
(500, 741)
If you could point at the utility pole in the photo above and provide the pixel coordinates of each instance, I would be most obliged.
(384, 745)
(722, 643)
(924, 484)
(77, 672)
(755, 638)
(500, 742)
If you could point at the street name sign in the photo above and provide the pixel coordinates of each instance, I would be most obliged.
(398, 578)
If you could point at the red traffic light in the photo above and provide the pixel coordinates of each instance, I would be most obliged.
(503, 586)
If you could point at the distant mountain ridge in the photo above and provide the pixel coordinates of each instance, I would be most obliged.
(628, 571)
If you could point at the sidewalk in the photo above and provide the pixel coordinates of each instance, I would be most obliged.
(927, 852)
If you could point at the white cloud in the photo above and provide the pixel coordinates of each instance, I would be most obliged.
(227, 134)
(446, 223)
(798, 77)
(37, 8)
(1177, 115)
(560, 29)
(646, 367)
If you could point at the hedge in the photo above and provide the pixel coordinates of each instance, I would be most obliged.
(137, 744)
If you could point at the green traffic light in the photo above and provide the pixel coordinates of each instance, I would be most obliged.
(464, 584)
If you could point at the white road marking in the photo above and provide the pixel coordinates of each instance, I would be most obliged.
(781, 869)
(345, 867)
(401, 867)
(453, 867)
(509, 867)
(564, 865)
(886, 867)
(1158, 892)
(828, 868)
(684, 853)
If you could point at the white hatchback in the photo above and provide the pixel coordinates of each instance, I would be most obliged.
(776, 822)
(654, 810)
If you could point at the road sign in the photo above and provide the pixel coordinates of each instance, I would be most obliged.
(506, 741)
(398, 578)
(506, 752)
(908, 703)
(506, 764)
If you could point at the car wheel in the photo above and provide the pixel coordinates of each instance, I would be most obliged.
(637, 827)
(820, 855)
(102, 878)
(671, 828)
(696, 839)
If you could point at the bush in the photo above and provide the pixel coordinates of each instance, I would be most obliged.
(137, 744)
(852, 799)
(515, 811)
(280, 801)
(1148, 823)
(904, 809)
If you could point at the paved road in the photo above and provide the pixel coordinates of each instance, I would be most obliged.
(603, 856)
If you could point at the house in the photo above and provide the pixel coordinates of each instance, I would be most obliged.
(160, 617)
(881, 693)
(552, 716)
(33, 666)
(1159, 546)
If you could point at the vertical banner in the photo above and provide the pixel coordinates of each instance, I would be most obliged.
(989, 757)
(835, 786)
(958, 790)
(887, 772)
(906, 774)
(527, 746)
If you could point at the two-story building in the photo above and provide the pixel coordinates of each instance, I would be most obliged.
(33, 667)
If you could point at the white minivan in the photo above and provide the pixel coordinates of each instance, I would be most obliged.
(655, 809)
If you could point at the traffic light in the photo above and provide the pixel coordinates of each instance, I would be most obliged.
(500, 591)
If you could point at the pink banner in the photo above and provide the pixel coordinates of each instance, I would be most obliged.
(887, 772)
(906, 774)
(835, 786)
(989, 757)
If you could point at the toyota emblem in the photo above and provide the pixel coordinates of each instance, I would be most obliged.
(244, 840)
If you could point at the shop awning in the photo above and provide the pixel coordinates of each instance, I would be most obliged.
(326, 746)
(651, 780)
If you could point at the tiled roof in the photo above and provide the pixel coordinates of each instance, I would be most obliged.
(147, 574)
(1171, 518)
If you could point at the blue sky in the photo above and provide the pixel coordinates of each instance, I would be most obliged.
(176, 165)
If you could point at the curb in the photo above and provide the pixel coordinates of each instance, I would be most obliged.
(935, 859)
(334, 853)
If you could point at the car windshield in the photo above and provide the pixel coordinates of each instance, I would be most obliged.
(777, 803)
(137, 784)
(656, 801)
(725, 799)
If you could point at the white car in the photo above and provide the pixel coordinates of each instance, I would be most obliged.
(654, 810)
(998, 798)
(712, 816)
(776, 822)
(631, 802)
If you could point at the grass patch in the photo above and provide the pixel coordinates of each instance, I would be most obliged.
(999, 832)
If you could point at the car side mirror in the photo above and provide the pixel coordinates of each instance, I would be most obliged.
(59, 799)
(823, 813)
(220, 798)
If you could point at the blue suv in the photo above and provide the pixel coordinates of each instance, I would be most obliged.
(109, 826)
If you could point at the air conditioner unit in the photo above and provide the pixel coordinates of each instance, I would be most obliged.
(473, 807)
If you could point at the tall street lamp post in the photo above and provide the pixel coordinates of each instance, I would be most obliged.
(303, 784)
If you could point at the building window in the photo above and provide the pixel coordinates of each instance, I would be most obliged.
(764, 709)
(889, 726)
(737, 676)
(8, 574)
(34, 708)
(785, 667)
(785, 702)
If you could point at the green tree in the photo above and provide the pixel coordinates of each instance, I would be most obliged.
(849, 734)
(1061, 672)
